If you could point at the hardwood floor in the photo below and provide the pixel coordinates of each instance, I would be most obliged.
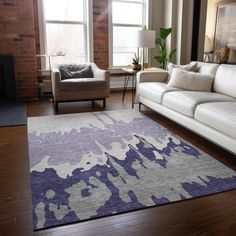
(207, 216)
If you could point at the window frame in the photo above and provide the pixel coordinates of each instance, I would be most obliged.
(145, 21)
(87, 29)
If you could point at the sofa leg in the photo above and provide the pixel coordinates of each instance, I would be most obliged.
(93, 103)
(104, 103)
(139, 106)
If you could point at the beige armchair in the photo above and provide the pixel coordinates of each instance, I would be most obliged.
(67, 87)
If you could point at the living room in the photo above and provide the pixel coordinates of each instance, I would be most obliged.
(126, 155)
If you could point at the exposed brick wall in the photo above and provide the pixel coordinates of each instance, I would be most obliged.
(101, 42)
(36, 32)
(17, 38)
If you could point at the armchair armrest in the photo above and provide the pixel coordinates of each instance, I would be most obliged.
(56, 79)
(102, 74)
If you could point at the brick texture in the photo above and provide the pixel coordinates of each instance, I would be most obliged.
(100, 26)
(19, 35)
(17, 38)
(36, 32)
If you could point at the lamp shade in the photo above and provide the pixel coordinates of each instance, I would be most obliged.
(146, 38)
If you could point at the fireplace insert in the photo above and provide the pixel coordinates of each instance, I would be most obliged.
(7, 78)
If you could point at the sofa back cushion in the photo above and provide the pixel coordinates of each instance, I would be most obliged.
(188, 67)
(191, 81)
(225, 80)
(207, 68)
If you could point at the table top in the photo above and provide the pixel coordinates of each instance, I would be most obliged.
(117, 72)
(130, 70)
(127, 70)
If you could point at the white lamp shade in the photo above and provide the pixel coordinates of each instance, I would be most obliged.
(146, 38)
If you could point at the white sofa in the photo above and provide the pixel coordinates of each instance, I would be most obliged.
(209, 114)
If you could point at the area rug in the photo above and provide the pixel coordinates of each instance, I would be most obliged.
(89, 165)
(12, 113)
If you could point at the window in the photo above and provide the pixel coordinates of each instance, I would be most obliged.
(127, 16)
(65, 35)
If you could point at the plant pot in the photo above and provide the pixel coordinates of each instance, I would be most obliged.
(137, 67)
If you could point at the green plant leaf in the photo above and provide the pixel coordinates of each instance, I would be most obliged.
(164, 54)
(135, 59)
(172, 53)
(164, 32)
(163, 57)
(158, 58)
(158, 41)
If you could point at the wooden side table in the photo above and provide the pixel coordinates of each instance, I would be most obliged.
(129, 73)
(126, 72)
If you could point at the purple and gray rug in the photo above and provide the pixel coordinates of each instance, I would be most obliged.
(90, 165)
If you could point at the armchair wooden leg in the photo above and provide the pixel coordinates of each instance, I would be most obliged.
(93, 103)
(56, 106)
(104, 103)
(139, 106)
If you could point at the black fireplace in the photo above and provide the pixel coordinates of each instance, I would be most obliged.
(7, 78)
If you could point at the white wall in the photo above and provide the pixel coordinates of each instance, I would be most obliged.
(178, 14)
(186, 31)
(211, 15)
(211, 22)
(157, 21)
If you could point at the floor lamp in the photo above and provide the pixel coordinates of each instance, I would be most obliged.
(145, 39)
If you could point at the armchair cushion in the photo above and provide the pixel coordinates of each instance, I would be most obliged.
(82, 84)
(74, 71)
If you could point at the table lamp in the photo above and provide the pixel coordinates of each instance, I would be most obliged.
(145, 39)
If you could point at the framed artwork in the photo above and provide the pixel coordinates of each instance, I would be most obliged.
(225, 33)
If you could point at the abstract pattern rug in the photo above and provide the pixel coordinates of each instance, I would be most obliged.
(90, 165)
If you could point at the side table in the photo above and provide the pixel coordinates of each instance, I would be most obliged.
(129, 73)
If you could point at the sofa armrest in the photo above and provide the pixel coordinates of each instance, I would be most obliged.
(152, 76)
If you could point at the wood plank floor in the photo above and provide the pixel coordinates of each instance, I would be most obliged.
(207, 216)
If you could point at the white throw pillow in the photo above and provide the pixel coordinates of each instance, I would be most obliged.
(190, 80)
(193, 66)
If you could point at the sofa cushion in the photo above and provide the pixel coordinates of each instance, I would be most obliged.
(154, 91)
(185, 102)
(82, 84)
(218, 115)
(225, 81)
(189, 67)
(190, 81)
(207, 68)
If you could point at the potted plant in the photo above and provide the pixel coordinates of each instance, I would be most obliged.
(136, 64)
(164, 57)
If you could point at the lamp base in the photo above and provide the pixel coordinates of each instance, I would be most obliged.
(145, 65)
